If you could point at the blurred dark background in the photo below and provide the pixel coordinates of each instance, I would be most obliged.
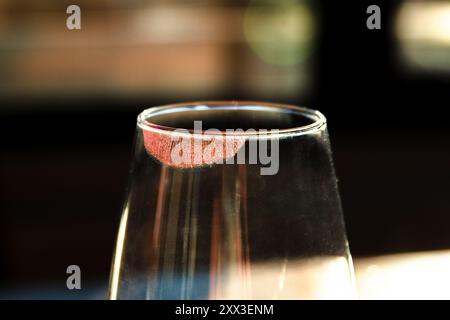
(69, 100)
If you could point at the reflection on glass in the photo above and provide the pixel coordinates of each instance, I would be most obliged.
(228, 224)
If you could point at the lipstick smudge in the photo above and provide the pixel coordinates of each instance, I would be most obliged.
(189, 151)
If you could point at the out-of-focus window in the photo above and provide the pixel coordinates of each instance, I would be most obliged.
(423, 31)
(412, 276)
(162, 49)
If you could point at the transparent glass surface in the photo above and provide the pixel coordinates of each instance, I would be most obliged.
(219, 226)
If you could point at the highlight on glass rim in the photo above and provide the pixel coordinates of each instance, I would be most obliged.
(222, 157)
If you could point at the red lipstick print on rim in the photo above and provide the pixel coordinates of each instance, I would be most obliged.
(183, 148)
(191, 150)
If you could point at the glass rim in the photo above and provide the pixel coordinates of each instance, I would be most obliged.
(318, 119)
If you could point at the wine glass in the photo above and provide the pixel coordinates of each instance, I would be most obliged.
(232, 200)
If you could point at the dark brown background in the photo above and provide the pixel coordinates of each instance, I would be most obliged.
(65, 157)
